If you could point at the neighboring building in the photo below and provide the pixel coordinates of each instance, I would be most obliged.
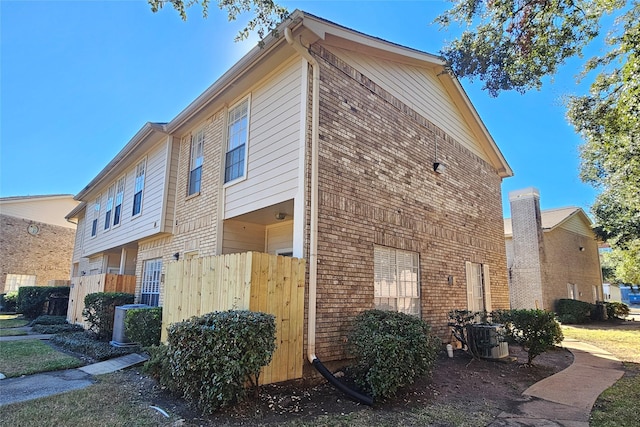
(551, 254)
(36, 242)
(322, 144)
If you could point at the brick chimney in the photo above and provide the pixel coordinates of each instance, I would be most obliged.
(528, 250)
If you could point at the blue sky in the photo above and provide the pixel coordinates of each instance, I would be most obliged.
(79, 79)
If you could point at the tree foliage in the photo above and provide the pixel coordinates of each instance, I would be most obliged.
(266, 14)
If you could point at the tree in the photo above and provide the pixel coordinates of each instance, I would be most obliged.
(514, 44)
(266, 14)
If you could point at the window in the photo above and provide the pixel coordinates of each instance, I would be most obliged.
(109, 207)
(237, 136)
(96, 214)
(396, 284)
(119, 196)
(478, 287)
(150, 292)
(572, 291)
(137, 196)
(14, 281)
(195, 168)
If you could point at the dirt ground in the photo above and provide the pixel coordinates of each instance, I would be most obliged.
(468, 385)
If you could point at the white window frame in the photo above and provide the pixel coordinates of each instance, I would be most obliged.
(237, 138)
(478, 287)
(119, 200)
(96, 216)
(14, 281)
(109, 206)
(196, 161)
(141, 170)
(151, 280)
(396, 281)
(572, 291)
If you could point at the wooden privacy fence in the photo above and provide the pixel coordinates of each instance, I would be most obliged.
(247, 281)
(83, 285)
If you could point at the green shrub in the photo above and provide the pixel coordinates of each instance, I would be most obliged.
(579, 310)
(86, 343)
(8, 301)
(391, 350)
(213, 357)
(49, 320)
(616, 310)
(57, 329)
(158, 365)
(143, 325)
(536, 330)
(31, 299)
(99, 310)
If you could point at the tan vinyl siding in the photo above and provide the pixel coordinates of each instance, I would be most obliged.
(576, 225)
(149, 221)
(274, 130)
(279, 237)
(171, 183)
(410, 84)
(45, 209)
(79, 239)
(243, 237)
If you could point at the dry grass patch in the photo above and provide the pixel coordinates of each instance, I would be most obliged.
(106, 403)
(621, 341)
(31, 356)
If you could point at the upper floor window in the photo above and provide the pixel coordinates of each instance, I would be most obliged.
(109, 206)
(96, 215)
(396, 284)
(117, 212)
(139, 187)
(237, 137)
(195, 167)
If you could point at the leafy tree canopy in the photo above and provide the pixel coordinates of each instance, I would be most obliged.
(266, 14)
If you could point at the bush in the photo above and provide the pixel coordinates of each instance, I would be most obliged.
(158, 365)
(392, 350)
(616, 310)
(49, 320)
(57, 329)
(212, 358)
(144, 325)
(570, 309)
(99, 310)
(536, 330)
(32, 299)
(86, 343)
(8, 301)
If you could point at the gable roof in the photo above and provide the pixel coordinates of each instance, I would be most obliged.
(553, 218)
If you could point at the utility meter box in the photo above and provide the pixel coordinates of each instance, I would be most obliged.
(119, 338)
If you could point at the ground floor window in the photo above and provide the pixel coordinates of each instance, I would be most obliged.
(14, 281)
(572, 291)
(150, 293)
(478, 287)
(396, 283)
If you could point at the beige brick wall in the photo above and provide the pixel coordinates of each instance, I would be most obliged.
(377, 187)
(47, 255)
(565, 263)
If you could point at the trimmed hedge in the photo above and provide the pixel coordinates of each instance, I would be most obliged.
(31, 299)
(574, 311)
(57, 329)
(45, 319)
(99, 310)
(392, 350)
(143, 325)
(212, 358)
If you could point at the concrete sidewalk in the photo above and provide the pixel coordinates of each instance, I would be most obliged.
(566, 398)
(29, 387)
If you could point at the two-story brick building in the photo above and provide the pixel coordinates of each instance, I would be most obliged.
(361, 156)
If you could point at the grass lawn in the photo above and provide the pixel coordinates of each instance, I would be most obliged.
(32, 356)
(12, 321)
(12, 332)
(106, 403)
(618, 405)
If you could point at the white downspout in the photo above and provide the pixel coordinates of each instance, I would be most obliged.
(313, 239)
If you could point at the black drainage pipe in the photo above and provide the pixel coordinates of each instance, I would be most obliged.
(357, 396)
